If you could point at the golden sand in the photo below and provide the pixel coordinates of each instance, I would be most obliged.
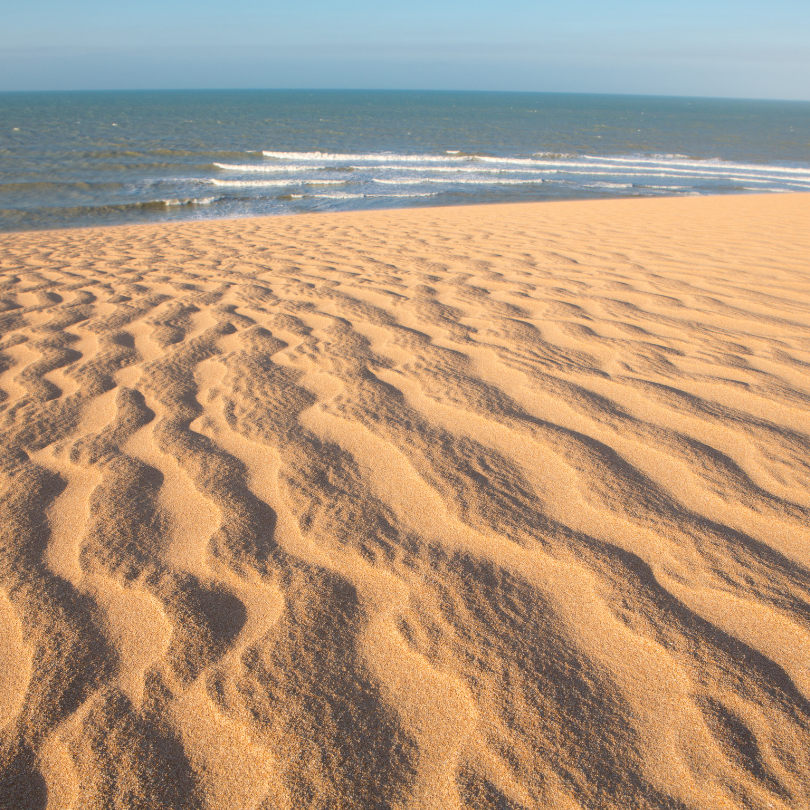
(491, 508)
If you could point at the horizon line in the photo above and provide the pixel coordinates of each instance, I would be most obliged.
(403, 90)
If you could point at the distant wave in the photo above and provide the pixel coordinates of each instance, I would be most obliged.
(370, 156)
(262, 183)
(351, 196)
(679, 175)
(618, 168)
(203, 156)
(674, 161)
(263, 167)
(600, 184)
(676, 166)
(415, 181)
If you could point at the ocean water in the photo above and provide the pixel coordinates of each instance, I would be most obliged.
(71, 159)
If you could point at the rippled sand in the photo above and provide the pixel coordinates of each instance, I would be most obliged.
(486, 508)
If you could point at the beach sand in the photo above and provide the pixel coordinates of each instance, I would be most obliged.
(498, 507)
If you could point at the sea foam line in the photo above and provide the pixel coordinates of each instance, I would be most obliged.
(607, 170)
(350, 196)
(702, 162)
(265, 167)
(678, 175)
(416, 181)
(653, 164)
(665, 171)
(277, 183)
(369, 157)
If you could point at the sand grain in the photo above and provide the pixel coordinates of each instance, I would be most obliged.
(474, 508)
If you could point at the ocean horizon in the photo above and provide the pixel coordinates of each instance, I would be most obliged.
(80, 158)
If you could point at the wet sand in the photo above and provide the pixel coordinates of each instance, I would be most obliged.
(467, 508)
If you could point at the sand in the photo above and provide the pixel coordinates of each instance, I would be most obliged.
(500, 507)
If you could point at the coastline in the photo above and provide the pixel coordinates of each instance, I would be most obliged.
(406, 210)
(465, 507)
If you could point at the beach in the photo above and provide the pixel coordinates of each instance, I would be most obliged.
(472, 508)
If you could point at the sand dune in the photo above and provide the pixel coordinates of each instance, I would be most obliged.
(480, 509)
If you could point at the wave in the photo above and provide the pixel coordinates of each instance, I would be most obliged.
(409, 166)
(718, 162)
(664, 171)
(639, 166)
(599, 184)
(417, 181)
(470, 169)
(546, 168)
(369, 157)
(336, 196)
(653, 164)
(276, 183)
(595, 169)
(89, 210)
(348, 195)
(257, 183)
(405, 194)
(679, 175)
(259, 167)
(191, 201)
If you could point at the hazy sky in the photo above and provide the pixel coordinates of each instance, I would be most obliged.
(742, 48)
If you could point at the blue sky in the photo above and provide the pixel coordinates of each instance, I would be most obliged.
(739, 49)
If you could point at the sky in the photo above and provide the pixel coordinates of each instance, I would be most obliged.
(720, 48)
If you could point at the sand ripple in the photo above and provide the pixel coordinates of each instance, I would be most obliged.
(499, 507)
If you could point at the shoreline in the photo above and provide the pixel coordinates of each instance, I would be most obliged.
(388, 211)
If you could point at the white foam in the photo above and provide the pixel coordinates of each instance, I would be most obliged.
(393, 157)
(349, 196)
(470, 169)
(710, 162)
(254, 183)
(407, 194)
(640, 168)
(511, 161)
(264, 167)
(545, 168)
(539, 160)
(372, 157)
(599, 184)
(660, 165)
(262, 183)
(191, 201)
(338, 196)
(675, 174)
(418, 181)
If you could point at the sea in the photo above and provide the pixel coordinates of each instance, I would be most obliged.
(72, 159)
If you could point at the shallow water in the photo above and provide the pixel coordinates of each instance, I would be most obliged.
(69, 159)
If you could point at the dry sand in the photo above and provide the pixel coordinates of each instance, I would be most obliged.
(490, 508)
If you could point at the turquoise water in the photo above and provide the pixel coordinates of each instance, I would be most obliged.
(69, 159)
